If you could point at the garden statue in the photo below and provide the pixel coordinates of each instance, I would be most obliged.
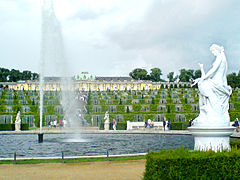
(18, 122)
(214, 92)
(107, 121)
(211, 129)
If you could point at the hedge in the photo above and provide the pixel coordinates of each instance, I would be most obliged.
(5, 127)
(24, 127)
(179, 126)
(11, 127)
(183, 164)
(235, 144)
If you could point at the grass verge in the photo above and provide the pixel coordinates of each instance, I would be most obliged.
(77, 160)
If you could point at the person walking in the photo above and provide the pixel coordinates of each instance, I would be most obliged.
(114, 125)
(152, 124)
(149, 123)
(60, 123)
(146, 124)
(190, 122)
(55, 123)
(169, 124)
(236, 124)
(51, 124)
(164, 124)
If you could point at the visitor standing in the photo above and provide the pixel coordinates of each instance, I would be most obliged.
(51, 124)
(152, 124)
(55, 123)
(114, 125)
(146, 124)
(190, 122)
(236, 123)
(64, 123)
(149, 123)
(60, 123)
(164, 124)
(169, 124)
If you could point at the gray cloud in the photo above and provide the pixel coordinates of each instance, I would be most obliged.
(177, 34)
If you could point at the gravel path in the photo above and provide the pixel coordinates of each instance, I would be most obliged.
(107, 170)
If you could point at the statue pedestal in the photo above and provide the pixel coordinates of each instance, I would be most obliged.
(106, 126)
(17, 127)
(214, 138)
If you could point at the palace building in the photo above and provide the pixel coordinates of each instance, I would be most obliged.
(88, 82)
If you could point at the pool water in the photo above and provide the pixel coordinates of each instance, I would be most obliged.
(26, 145)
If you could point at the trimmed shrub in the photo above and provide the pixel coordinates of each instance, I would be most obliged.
(24, 127)
(183, 164)
(11, 127)
(128, 117)
(5, 127)
(101, 126)
(235, 144)
(121, 126)
(179, 126)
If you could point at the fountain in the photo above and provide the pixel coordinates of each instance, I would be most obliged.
(211, 129)
(52, 51)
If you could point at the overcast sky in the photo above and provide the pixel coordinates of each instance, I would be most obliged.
(112, 37)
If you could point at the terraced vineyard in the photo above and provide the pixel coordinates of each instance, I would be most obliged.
(177, 104)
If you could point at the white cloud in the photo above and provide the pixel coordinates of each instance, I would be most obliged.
(110, 37)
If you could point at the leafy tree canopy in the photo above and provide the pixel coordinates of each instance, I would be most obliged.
(139, 74)
(171, 77)
(234, 79)
(186, 75)
(155, 74)
(142, 74)
(13, 75)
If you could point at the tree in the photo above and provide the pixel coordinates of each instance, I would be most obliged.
(155, 74)
(234, 79)
(138, 74)
(35, 76)
(26, 75)
(171, 77)
(16, 75)
(4, 73)
(197, 74)
(186, 75)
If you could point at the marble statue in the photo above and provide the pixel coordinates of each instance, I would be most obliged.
(18, 122)
(107, 121)
(214, 92)
(211, 129)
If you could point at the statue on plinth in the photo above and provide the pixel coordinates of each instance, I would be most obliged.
(107, 121)
(18, 122)
(214, 93)
(211, 129)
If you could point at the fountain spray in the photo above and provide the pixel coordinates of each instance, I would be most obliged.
(52, 51)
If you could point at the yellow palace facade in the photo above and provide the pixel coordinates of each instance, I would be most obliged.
(105, 84)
